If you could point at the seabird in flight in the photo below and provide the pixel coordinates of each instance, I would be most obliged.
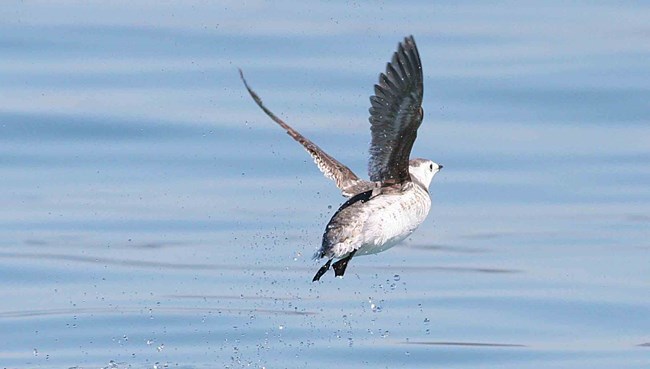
(381, 212)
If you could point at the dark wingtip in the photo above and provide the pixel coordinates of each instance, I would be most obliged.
(255, 97)
(241, 75)
(409, 43)
(243, 79)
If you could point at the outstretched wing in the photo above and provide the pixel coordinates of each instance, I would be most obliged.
(344, 178)
(395, 115)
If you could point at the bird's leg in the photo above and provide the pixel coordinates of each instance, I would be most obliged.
(322, 270)
(339, 266)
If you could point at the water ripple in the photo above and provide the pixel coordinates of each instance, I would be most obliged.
(200, 266)
(134, 310)
(471, 344)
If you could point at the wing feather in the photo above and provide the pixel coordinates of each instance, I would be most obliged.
(395, 115)
(345, 179)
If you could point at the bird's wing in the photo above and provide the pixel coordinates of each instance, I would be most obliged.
(395, 115)
(344, 178)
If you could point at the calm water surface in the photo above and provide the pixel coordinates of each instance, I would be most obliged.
(152, 216)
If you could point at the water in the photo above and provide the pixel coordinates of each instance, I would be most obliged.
(152, 216)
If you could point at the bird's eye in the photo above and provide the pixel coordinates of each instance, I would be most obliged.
(430, 166)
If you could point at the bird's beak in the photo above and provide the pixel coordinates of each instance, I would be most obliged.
(440, 166)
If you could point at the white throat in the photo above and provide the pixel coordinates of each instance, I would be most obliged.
(422, 171)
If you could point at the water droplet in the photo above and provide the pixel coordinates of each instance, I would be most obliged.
(150, 342)
(374, 307)
(281, 327)
(160, 347)
(396, 277)
(426, 320)
(35, 352)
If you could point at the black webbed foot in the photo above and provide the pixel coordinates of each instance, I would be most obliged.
(322, 270)
(341, 265)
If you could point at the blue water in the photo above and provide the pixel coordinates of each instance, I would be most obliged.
(152, 216)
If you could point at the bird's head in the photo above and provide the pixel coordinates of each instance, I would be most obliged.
(423, 170)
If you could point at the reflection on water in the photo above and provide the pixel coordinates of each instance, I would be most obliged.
(152, 216)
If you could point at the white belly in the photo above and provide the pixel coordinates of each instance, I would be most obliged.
(383, 222)
(397, 220)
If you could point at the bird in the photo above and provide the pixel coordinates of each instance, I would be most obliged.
(384, 210)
